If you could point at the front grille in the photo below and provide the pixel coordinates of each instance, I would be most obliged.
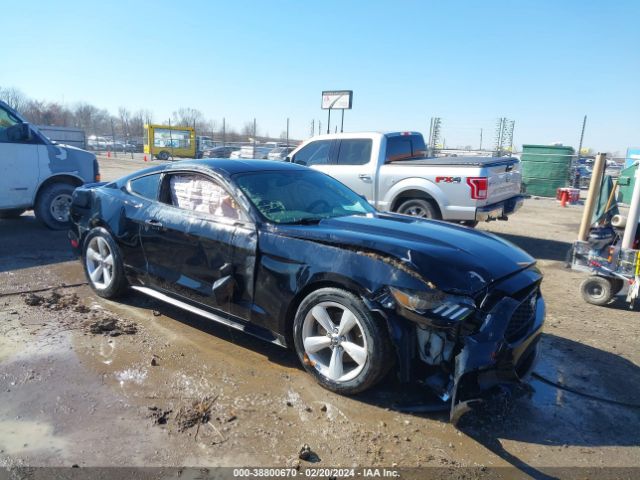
(522, 318)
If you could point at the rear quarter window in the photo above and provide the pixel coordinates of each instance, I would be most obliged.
(146, 186)
(405, 147)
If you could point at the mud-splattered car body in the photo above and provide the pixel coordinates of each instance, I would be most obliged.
(253, 274)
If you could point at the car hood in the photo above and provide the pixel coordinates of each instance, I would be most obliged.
(454, 258)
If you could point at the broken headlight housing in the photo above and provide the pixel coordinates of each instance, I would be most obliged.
(433, 307)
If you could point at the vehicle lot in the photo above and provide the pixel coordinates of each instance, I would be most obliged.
(73, 396)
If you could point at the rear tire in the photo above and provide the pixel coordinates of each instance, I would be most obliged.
(53, 204)
(163, 155)
(418, 207)
(340, 342)
(103, 264)
(15, 213)
(597, 290)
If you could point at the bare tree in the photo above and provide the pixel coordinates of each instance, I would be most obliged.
(188, 117)
(14, 98)
(125, 120)
(247, 130)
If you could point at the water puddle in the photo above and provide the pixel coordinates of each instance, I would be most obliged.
(18, 437)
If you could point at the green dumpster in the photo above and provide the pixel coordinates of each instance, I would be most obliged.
(626, 182)
(545, 168)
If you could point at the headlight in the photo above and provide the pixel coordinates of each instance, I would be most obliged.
(434, 303)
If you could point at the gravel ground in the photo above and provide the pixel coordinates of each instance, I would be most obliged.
(89, 382)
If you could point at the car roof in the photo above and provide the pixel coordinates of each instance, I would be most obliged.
(230, 167)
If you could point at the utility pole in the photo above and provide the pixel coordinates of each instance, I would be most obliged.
(342, 122)
(287, 132)
(480, 139)
(319, 127)
(113, 139)
(575, 177)
(254, 137)
(224, 131)
(313, 127)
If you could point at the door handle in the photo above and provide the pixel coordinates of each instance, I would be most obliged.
(153, 223)
(364, 177)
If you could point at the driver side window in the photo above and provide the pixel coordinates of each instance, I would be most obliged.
(7, 121)
(316, 153)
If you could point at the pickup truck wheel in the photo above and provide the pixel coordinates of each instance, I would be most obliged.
(339, 341)
(417, 207)
(15, 213)
(103, 265)
(52, 206)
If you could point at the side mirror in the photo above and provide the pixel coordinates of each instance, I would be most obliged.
(21, 132)
(25, 132)
(287, 159)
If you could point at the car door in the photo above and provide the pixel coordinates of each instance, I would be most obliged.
(200, 244)
(354, 166)
(18, 162)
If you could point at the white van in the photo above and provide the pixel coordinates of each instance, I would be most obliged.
(38, 174)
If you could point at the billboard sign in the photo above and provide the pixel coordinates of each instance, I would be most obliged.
(337, 99)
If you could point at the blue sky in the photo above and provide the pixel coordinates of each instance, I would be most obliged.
(543, 63)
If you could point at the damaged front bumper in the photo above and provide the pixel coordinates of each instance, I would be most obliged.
(501, 352)
(489, 359)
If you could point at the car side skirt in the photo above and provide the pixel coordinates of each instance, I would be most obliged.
(257, 332)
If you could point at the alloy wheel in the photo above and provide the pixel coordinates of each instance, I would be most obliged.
(99, 262)
(334, 341)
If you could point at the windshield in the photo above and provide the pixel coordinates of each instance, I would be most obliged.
(300, 196)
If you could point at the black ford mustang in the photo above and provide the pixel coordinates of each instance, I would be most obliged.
(294, 257)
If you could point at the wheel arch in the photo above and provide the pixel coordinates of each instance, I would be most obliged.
(68, 178)
(411, 194)
(415, 188)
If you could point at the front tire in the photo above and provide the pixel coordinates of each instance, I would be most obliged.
(418, 207)
(597, 290)
(340, 342)
(103, 264)
(53, 204)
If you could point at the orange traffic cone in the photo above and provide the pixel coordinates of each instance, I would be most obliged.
(108, 154)
(564, 198)
(145, 158)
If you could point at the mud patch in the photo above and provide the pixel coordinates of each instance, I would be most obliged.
(159, 416)
(197, 414)
(56, 301)
(108, 325)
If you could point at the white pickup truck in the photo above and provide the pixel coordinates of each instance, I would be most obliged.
(392, 171)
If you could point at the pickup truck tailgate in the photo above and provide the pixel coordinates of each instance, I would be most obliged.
(504, 181)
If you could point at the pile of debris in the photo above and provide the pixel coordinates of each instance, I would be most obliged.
(111, 326)
(98, 322)
(56, 301)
